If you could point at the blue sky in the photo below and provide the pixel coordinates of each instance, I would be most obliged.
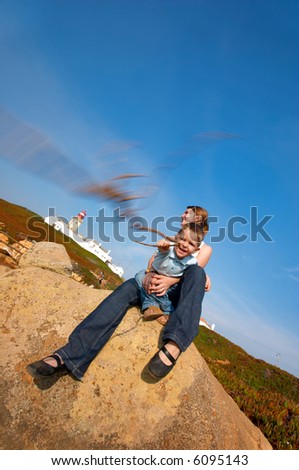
(155, 73)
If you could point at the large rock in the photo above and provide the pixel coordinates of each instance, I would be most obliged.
(117, 406)
(47, 255)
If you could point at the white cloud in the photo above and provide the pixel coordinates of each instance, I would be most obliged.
(249, 324)
(292, 270)
(291, 273)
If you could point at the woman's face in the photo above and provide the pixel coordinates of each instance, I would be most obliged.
(187, 217)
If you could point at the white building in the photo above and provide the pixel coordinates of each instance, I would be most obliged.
(75, 222)
(204, 322)
(71, 231)
(116, 269)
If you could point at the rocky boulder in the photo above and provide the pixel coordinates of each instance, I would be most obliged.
(47, 255)
(118, 405)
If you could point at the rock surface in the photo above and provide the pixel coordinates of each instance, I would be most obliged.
(47, 255)
(117, 406)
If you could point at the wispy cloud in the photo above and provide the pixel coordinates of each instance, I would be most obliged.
(291, 273)
(250, 325)
(292, 270)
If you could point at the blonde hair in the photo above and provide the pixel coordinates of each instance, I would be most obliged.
(203, 215)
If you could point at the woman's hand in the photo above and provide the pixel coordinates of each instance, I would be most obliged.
(208, 283)
(157, 284)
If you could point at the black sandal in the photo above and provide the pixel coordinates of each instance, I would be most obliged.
(42, 369)
(157, 368)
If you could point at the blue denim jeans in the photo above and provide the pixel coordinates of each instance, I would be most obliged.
(147, 300)
(89, 337)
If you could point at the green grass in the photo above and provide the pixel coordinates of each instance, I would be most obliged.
(267, 395)
(18, 222)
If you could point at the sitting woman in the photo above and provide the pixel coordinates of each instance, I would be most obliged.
(89, 337)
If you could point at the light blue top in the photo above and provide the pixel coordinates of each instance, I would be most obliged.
(168, 264)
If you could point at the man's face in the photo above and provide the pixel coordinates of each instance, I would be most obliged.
(187, 217)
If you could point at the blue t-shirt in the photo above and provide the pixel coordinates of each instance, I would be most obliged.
(168, 264)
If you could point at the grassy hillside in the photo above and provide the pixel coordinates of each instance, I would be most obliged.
(19, 221)
(267, 395)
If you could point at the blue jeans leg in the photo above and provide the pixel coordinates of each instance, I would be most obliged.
(148, 300)
(161, 301)
(183, 323)
(89, 337)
